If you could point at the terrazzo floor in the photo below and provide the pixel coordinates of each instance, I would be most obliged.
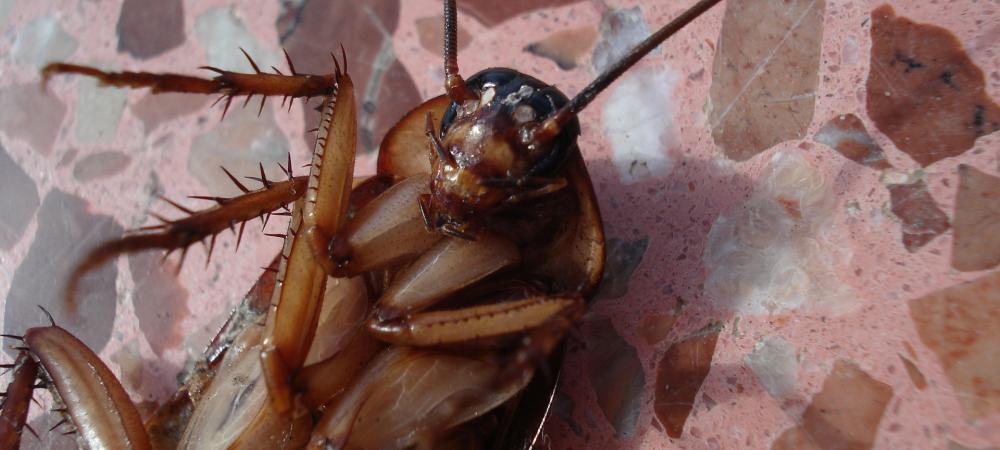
(801, 198)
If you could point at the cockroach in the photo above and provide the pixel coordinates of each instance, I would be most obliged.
(423, 307)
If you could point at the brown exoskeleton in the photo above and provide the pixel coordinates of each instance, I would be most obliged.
(411, 309)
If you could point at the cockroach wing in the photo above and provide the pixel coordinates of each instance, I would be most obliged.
(235, 395)
(419, 395)
(233, 412)
(389, 230)
(449, 266)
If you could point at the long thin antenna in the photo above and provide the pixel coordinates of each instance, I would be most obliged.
(454, 85)
(551, 126)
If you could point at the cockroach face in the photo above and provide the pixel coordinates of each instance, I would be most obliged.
(488, 156)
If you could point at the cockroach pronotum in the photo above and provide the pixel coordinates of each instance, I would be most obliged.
(422, 307)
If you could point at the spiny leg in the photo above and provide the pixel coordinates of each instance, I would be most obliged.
(296, 302)
(180, 234)
(229, 84)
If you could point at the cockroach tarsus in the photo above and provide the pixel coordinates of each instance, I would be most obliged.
(467, 258)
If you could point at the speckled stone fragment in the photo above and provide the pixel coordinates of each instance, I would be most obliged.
(846, 134)
(774, 362)
(921, 218)
(977, 221)
(31, 117)
(623, 256)
(19, 199)
(640, 148)
(765, 74)
(924, 91)
(100, 165)
(616, 375)
(223, 33)
(41, 41)
(770, 253)
(147, 29)
(619, 31)
(98, 112)
(566, 48)
(383, 88)
(5, 6)
(959, 324)
(430, 31)
(655, 327)
(679, 376)
(845, 414)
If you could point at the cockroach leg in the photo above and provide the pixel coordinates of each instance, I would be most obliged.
(297, 298)
(324, 380)
(528, 192)
(387, 231)
(96, 402)
(449, 266)
(16, 401)
(199, 225)
(234, 413)
(229, 84)
(487, 323)
(334, 428)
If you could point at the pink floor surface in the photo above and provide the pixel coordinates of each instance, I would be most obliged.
(802, 199)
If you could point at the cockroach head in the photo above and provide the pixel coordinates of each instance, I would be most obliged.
(506, 135)
(486, 153)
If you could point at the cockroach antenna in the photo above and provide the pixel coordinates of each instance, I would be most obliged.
(550, 127)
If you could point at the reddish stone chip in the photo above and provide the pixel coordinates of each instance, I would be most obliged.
(977, 221)
(924, 91)
(679, 377)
